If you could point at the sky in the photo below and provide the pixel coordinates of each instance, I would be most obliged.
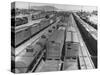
(59, 6)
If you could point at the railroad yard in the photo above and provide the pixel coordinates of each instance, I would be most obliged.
(52, 41)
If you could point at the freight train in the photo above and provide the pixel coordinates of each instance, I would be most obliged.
(23, 34)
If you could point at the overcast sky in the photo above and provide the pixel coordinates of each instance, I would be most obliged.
(59, 6)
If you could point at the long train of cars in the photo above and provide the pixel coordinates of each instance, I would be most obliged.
(90, 42)
(20, 36)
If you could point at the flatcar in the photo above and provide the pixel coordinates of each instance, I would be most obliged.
(55, 44)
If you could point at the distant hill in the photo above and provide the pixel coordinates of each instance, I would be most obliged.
(46, 8)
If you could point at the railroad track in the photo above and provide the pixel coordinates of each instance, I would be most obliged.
(23, 46)
(89, 28)
(84, 60)
(37, 63)
(22, 54)
(88, 51)
(73, 55)
(49, 65)
(60, 64)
